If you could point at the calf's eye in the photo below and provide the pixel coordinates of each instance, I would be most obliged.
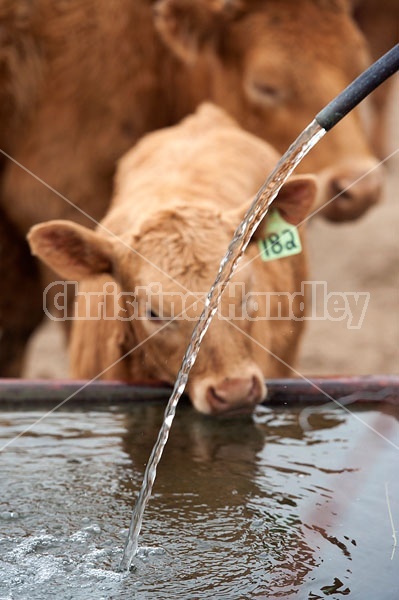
(152, 315)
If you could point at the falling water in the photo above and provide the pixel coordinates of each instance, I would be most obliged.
(242, 236)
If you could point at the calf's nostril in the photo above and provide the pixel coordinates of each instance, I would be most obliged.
(215, 401)
(232, 394)
(219, 398)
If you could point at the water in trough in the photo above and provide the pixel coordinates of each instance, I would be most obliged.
(242, 508)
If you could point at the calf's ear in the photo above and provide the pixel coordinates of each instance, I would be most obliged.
(294, 201)
(72, 251)
(186, 26)
(296, 198)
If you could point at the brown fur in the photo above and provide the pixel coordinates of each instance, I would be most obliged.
(81, 81)
(174, 229)
(24, 310)
(98, 86)
(379, 21)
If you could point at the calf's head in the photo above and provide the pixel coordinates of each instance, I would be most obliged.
(274, 65)
(166, 269)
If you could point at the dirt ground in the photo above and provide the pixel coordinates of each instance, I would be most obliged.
(357, 257)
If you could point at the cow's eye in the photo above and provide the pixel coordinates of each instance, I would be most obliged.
(264, 93)
(267, 90)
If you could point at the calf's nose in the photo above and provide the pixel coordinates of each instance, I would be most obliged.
(235, 393)
(352, 192)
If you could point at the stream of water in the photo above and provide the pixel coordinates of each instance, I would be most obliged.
(257, 211)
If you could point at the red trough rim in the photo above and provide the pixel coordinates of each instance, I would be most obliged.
(30, 394)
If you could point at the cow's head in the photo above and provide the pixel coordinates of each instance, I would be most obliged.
(167, 268)
(274, 65)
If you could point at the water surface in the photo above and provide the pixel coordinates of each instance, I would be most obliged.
(242, 508)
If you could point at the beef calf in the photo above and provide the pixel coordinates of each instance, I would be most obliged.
(179, 195)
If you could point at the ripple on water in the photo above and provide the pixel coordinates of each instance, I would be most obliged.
(241, 509)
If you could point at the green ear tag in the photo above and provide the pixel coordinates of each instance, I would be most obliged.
(281, 239)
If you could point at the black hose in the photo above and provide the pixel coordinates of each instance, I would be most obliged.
(361, 87)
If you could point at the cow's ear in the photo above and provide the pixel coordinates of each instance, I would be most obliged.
(72, 251)
(186, 26)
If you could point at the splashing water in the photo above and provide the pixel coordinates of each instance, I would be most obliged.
(242, 236)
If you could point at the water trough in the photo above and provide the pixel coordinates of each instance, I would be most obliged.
(28, 394)
(295, 501)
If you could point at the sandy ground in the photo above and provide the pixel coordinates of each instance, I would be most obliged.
(357, 257)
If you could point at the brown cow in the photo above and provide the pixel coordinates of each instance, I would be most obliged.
(178, 199)
(81, 81)
(379, 21)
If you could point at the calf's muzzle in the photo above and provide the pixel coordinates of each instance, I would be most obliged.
(231, 394)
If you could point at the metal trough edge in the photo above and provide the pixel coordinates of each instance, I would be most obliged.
(22, 393)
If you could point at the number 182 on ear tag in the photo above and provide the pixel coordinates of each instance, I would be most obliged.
(281, 239)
